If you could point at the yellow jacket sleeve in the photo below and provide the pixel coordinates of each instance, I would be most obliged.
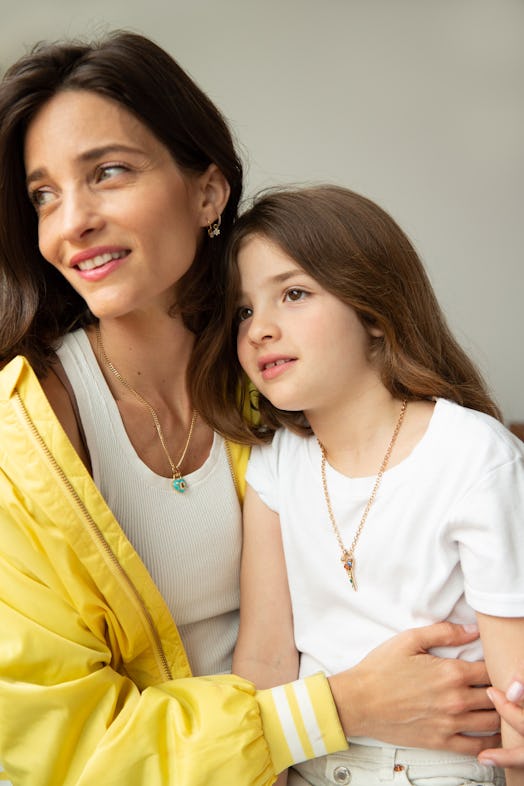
(69, 717)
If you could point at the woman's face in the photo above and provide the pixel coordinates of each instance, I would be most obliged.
(116, 215)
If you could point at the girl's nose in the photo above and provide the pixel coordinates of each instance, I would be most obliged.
(262, 328)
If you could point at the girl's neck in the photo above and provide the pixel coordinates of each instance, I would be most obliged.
(356, 436)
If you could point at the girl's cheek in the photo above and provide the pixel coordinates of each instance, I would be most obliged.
(241, 349)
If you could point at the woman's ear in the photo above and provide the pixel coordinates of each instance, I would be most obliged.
(215, 192)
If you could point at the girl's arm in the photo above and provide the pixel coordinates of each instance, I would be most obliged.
(265, 652)
(503, 643)
(507, 704)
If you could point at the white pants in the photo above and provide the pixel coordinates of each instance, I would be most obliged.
(363, 765)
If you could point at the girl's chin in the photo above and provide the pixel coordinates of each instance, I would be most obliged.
(286, 404)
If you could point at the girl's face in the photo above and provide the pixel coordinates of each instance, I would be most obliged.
(116, 215)
(301, 346)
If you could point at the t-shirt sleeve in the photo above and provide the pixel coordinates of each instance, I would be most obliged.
(262, 471)
(488, 524)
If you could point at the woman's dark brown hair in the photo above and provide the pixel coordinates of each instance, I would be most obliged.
(37, 305)
(356, 251)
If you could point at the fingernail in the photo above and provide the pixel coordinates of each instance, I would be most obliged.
(470, 628)
(487, 762)
(491, 695)
(515, 692)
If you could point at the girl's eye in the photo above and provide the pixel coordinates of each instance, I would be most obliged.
(243, 313)
(295, 294)
(109, 170)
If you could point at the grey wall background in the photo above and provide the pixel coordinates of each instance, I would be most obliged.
(419, 104)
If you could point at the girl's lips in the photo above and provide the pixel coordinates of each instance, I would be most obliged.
(274, 368)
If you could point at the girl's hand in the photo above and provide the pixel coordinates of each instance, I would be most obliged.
(401, 694)
(510, 706)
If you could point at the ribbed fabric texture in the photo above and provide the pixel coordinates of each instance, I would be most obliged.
(189, 542)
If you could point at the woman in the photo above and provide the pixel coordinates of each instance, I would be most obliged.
(119, 508)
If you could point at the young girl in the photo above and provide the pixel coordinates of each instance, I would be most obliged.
(393, 497)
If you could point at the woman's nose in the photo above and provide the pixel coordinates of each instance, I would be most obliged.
(79, 216)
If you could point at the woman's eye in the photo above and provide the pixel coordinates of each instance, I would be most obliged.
(110, 170)
(40, 197)
(295, 294)
(243, 313)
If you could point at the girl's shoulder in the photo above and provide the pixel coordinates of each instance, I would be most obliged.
(481, 435)
(285, 442)
(287, 452)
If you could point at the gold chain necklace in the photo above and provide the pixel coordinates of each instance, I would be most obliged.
(348, 555)
(179, 483)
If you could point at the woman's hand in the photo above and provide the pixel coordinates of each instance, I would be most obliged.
(510, 706)
(401, 694)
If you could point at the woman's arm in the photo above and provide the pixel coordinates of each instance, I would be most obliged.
(403, 695)
(503, 643)
(74, 668)
(265, 652)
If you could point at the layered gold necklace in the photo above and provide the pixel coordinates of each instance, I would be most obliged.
(178, 481)
(348, 554)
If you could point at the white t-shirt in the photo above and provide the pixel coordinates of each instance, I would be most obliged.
(444, 536)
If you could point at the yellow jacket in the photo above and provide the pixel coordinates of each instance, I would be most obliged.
(95, 687)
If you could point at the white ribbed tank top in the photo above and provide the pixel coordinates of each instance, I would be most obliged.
(189, 542)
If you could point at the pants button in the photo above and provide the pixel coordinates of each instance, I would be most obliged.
(341, 775)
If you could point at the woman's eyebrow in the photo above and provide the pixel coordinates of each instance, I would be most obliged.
(103, 150)
(88, 155)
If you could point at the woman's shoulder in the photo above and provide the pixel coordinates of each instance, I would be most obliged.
(18, 376)
(60, 396)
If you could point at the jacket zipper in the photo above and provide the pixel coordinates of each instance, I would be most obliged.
(232, 470)
(97, 535)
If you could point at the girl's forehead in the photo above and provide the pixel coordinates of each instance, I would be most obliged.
(265, 252)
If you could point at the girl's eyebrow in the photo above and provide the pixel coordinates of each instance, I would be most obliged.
(87, 156)
(280, 278)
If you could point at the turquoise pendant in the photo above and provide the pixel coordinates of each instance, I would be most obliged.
(179, 484)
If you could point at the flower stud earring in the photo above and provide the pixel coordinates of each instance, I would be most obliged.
(213, 228)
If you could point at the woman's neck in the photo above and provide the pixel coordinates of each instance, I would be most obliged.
(152, 355)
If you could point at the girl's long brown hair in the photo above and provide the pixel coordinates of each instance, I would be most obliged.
(356, 251)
